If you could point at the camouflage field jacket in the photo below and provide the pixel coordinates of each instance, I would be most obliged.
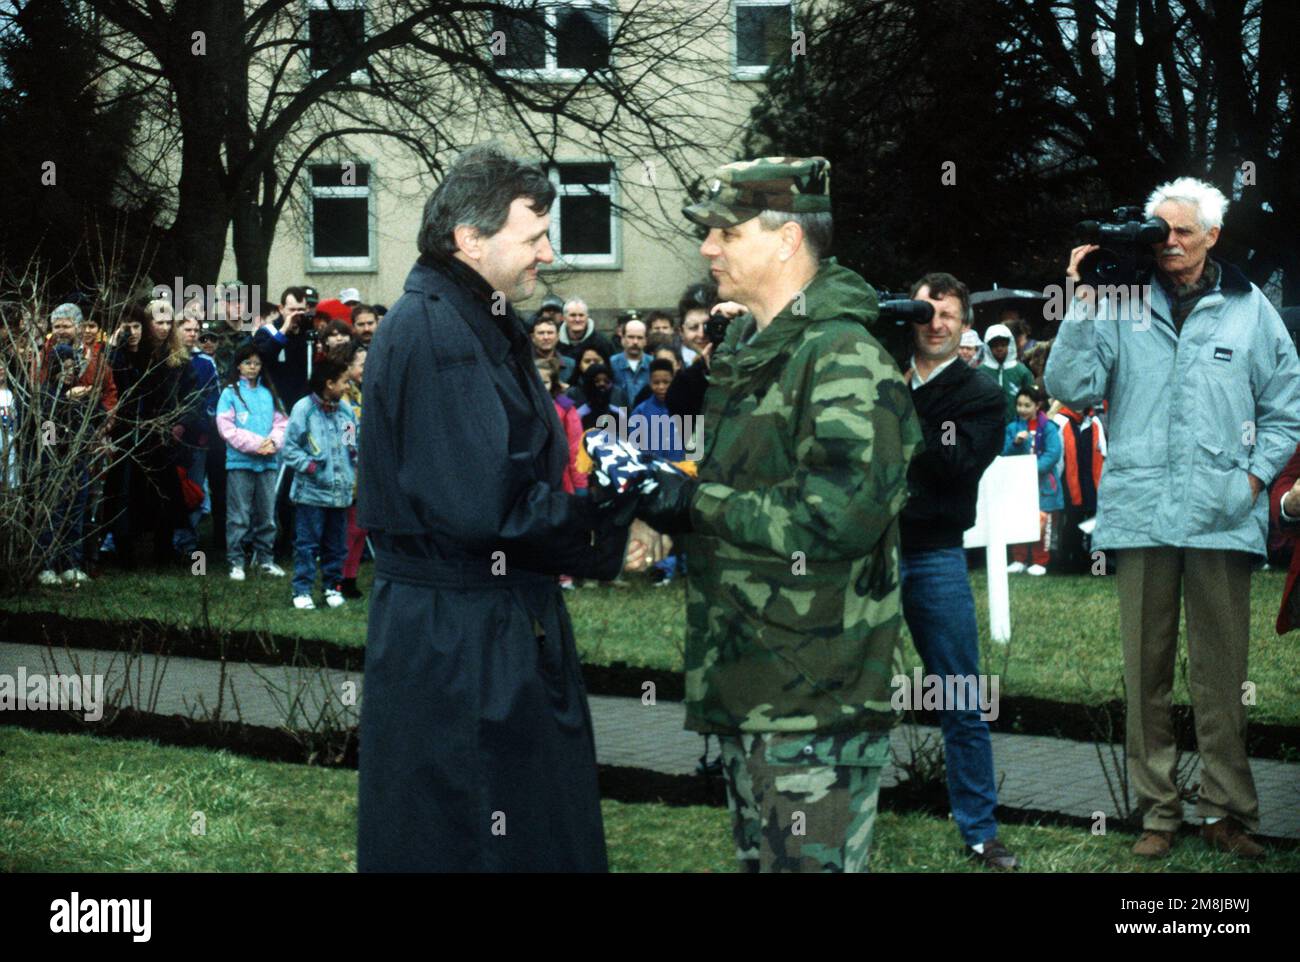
(793, 607)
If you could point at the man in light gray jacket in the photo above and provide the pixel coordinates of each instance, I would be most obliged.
(1203, 392)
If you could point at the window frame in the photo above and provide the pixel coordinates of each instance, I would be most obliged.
(614, 259)
(551, 72)
(752, 72)
(359, 76)
(342, 265)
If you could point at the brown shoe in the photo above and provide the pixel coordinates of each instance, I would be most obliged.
(1227, 835)
(1154, 844)
(995, 856)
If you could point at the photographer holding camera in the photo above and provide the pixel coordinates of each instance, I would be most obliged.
(1203, 388)
(793, 612)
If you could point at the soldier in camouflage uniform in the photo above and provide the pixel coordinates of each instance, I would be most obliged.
(793, 606)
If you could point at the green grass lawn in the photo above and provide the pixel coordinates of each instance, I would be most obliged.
(1065, 630)
(75, 803)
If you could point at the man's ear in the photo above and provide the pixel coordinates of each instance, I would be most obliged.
(468, 241)
(1212, 237)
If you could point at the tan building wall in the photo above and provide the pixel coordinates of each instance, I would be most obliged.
(657, 250)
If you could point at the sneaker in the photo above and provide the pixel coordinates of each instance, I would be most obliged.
(47, 578)
(334, 597)
(995, 856)
(304, 603)
(566, 582)
(1036, 570)
(74, 576)
(236, 573)
(1227, 835)
(660, 578)
(1015, 568)
(1154, 844)
(270, 569)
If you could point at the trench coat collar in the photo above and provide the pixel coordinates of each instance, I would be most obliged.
(466, 291)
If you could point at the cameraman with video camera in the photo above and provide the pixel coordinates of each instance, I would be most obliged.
(1203, 387)
(793, 612)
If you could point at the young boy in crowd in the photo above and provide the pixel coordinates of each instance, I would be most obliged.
(660, 434)
(321, 447)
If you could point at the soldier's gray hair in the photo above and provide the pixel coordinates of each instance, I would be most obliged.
(817, 228)
(1208, 200)
(478, 190)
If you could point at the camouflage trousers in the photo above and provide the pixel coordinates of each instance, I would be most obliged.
(803, 801)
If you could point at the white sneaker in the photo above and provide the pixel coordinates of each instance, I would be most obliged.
(304, 603)
(74, 576)
(271, 569)
(334, 598)
(1015, 567)
(47, 578)
(236, 573)
(1035, 570)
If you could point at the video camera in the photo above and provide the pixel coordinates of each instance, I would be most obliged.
(1126, 244)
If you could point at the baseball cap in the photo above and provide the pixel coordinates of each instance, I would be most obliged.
(350, 294)
(742, 190)
(334, 310)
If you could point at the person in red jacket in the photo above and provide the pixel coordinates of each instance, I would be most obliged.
(574, 480)
(1284, 510)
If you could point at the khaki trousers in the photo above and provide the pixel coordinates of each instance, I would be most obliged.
(1218, 635)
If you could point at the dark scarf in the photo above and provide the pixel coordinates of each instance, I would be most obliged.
(1184, 297)
(329, 407)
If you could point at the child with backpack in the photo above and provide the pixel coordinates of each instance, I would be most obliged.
(251, 420)
(321, 447)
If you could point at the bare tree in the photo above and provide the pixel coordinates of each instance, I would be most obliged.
(240, 97)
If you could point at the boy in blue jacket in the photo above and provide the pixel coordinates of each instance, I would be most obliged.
(1033, 432)
(321, 447)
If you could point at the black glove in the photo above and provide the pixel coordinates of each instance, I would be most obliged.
(667, 508)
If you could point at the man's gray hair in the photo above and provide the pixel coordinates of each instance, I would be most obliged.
(70, 311)
(478, 190)
(817, 228)
(1208, 200)
(575, 300)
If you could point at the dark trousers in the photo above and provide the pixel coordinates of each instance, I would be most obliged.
(216, 466)
(323, 531)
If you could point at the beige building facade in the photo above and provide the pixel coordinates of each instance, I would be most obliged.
(617, 230)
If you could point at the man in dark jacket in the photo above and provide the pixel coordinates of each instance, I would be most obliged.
(476, 744)
(961, 418)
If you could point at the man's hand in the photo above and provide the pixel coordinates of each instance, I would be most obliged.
(78, 392)
(729, 309)
(667, 506)
(1256, 486)
(1082, 292)
(1291, 500)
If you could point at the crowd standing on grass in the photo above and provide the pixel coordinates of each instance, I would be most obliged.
(152, 417)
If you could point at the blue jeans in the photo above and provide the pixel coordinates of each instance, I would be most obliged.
(940, 613)
(186, 539)
(60, 540)
(323, 529)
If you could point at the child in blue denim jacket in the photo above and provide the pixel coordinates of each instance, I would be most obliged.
(1032, 432)
(321, 447)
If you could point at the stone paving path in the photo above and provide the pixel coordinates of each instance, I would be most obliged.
(1036, 772)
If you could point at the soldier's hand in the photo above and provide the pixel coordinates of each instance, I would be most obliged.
(667, 508)
(729, 309)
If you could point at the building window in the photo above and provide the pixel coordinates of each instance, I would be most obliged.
(763, 31)
(342, 234)
(334, 29)
(557, 40)
(584, 223)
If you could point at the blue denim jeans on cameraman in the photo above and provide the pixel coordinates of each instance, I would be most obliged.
(323, 530)
(940, 613)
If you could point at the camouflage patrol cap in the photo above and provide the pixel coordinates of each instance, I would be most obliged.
(741, 190)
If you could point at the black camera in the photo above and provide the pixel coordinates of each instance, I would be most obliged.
(892, 328)
(1125, 253)
(715, 328)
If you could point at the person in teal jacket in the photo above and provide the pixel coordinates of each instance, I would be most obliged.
(1033, 432)
(321, 447)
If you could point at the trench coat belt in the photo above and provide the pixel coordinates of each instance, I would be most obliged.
(469, 574)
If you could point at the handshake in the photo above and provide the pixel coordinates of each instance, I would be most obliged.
(629, 483)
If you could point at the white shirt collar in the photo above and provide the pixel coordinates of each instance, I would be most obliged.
(917, 380)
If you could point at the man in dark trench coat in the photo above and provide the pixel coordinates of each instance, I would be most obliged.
(476, 742)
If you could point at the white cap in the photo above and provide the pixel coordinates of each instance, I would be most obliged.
(349, 294)
(970, 339)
